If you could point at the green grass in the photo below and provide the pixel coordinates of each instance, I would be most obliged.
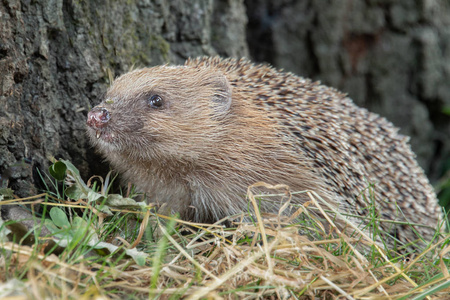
(112, 248)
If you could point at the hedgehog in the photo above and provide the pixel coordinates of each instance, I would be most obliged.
(194, 137)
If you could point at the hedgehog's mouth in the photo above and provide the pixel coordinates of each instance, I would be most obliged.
(99, 121)
(104, 135)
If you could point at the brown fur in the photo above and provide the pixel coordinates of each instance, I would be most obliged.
(226, 124)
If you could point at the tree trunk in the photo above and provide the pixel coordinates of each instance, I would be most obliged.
(392, 57)
(57, 59)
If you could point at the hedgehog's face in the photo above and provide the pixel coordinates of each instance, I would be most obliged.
(161, 111)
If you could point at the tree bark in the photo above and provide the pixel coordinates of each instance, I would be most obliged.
(392, 57)
(57, 58)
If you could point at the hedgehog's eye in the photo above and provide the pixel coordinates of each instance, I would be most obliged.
(156, 101)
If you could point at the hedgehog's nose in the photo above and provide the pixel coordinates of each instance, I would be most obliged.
(98, 117)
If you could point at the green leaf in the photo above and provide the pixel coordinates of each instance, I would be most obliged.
(104, 248)
(81, 230)
(116, 200)
(51, 226)
(138, 257)
(71, 167)
(75, 192)
(76, 175)
(58, 170)
(94, 196)
(59, 218)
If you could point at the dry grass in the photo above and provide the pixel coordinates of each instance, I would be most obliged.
(270, 258)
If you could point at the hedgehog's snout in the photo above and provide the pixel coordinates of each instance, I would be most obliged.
(98, 118)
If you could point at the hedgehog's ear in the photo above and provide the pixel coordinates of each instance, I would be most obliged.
(221, 100)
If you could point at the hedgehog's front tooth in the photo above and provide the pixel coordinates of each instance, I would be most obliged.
(99, 133)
